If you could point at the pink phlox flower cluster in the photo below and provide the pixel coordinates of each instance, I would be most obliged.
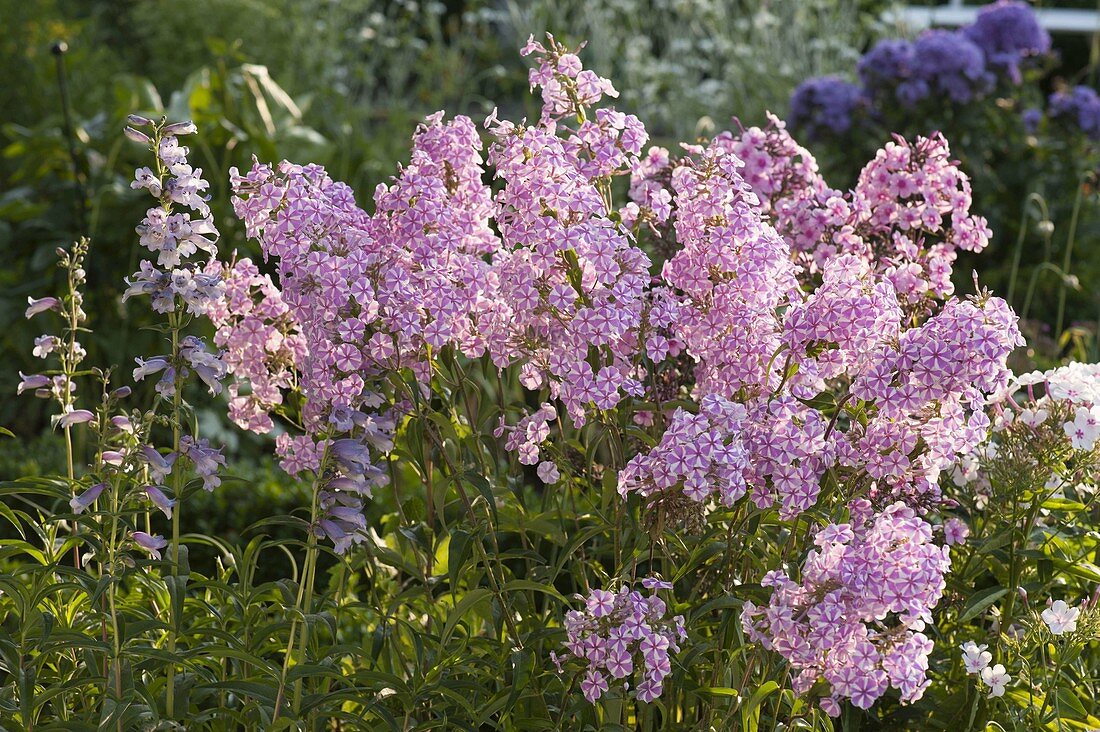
(320, 237)
(855, 617)
(570, 296)
(778, 447)
(792, 191)
(328, 266)
(621, 636)
(263, 344)
(836, 330)
(566, 86)
(790, 453)
(432, 225)
(908, 215)
(373, 293)
(913, 208)
(299, 454)
(931, 388)
(704, 453)
(733, 272)
(650, 198)
(528, 435)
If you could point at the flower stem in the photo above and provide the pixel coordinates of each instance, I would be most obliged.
(177, 486)
(304, 599)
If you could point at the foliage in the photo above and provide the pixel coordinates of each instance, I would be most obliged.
(728, 452)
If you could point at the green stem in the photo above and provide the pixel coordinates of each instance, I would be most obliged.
(311, 572)
(1053, 689)
(304, 597)
(1015, 269)
(176, 491)
(112, 591)
(1070, 239)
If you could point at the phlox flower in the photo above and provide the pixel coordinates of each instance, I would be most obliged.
(548, 472)
(955, 531)
(600, 603)
(1085, 427)
(1061, 618)
(996, 678)
(593, 685)
(975, 657)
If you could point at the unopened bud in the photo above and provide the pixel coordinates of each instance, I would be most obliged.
(137, 136)
(138, 121)
(181, 128)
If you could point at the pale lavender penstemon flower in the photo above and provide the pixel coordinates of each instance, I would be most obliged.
(175, 230)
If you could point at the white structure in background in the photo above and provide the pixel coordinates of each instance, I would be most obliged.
(954, 14)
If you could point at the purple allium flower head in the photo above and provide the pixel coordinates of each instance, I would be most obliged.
(1009, 34)
(825, 105)
(1079, 106)
(1031, 118)
(951, 64)
(887, 64)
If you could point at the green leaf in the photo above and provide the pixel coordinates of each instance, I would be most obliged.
(517, 585)
(981, 601)
(478, 481)
(1062, 504)
(996, 541)
(750, 712)
(458, 552)
(1066, 698)
(1080, 569)
(465, 605)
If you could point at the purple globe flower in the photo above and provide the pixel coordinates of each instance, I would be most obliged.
(824, 105)
(949, 63)
(888, 63)
(1079, 106)
(1008, 33)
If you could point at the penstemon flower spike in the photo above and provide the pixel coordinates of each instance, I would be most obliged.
(175, 230)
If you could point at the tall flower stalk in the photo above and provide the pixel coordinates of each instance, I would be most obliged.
(60, 384)
(176, 230)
